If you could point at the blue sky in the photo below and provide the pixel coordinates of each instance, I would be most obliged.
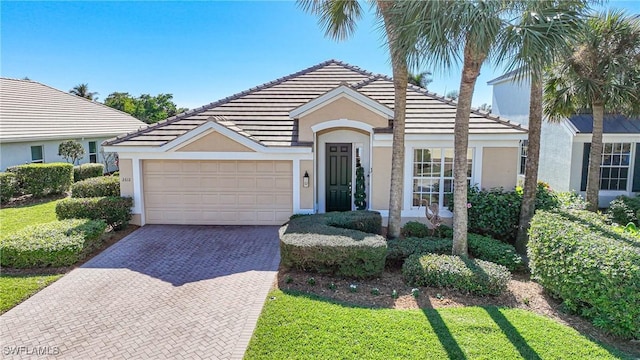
(198, 51)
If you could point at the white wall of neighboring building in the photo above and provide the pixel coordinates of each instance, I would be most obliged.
(511, 100)
(20, 152)
(556, 155)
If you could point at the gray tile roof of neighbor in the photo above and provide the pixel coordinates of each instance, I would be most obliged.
(613, 124)
(262, 112)
(33, 111)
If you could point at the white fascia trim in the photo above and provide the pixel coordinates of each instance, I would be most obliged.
(342, 123)
(157, 150)
(338, 93)
(214, 156)
(449, 137)
(607, 138)
(573, 130)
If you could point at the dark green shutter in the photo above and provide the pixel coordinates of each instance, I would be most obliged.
(636, 171)
(585, 166)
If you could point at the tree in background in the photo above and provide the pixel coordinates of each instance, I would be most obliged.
(339, 19)
(422, 79)
(71, 151)
(147, 108)
(485, 107)
(82, 90)
(453, 94)
(601, 74)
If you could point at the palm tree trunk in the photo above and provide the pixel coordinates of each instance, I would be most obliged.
(400, 79)
(528, 206)
(593, 179)
(472, 62)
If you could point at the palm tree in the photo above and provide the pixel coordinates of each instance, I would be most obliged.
(82, 90)
(601, 74)
(474, 31)
(339, 19)
(422, 79)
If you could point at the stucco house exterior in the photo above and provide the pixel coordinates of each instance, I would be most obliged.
(564, 145)
(291, 146)
(36, 118)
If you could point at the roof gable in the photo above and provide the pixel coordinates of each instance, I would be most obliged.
(341, 92)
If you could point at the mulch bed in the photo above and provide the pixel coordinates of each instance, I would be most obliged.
(522, 293)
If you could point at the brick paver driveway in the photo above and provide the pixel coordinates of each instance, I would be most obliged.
(162, 292)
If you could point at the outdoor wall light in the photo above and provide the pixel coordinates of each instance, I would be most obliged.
(305, 179)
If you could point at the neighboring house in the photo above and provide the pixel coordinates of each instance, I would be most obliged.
(291, 145)
(36, 118)
(564, 145)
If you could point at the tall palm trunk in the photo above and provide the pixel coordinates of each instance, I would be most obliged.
(473, 60)
(400, 80)
(528, 206)
(593, 179)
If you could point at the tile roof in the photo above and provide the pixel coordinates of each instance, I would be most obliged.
(613, 124)
(33, 111)
(263, 111)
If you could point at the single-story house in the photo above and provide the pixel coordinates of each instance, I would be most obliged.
(291, 146)
(564, 145)
(36, 118)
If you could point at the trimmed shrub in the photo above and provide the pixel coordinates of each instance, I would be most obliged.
(86, 171)
(58, 243)
(96, 187)
(480, 247)
(577, 257)
(361, 220)
(43, 179)
(115, 211)
(473, 276)
(624, 210)
(314, 243)
(415, 229)
(8, 186)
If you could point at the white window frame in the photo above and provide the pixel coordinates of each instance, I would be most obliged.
(41, 161)
(93, 153)
(629, 166)
(441, 178)
(523, 150)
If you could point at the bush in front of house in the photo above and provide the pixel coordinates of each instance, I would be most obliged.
(86, 171)
(96, 187)
(115, 211)
(43, 179)
(577, 257)
(480, 247)
(8, 186)
(313, 243)
(361, 220)
(623, 210)
(474, 276)
(54, 244)
(415, 229)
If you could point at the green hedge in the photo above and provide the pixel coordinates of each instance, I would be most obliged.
(361, 220)
(576, 256)
(480, 247)
(43, 179)
(96, 187)
(415, 229)
(115, 211)
(86, 171)
(8, 186)
(624, 210)
(474, 276)
(314, 243)
(58, 243)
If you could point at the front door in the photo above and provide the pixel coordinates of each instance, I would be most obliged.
(338, 177)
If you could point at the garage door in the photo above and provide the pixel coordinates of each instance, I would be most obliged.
(217, 192)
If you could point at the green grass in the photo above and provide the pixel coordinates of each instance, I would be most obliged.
(296, 326)
(16, 288)
(14, 219)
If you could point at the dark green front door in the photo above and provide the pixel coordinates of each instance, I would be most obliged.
(338, 177)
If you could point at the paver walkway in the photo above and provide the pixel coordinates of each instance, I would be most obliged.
(179, 292)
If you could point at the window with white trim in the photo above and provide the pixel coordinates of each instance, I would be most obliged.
(614, 166)
(37, 154)
(93, 152)
(524, 147)
(433, 175)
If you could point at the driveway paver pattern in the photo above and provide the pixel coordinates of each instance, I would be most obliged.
(178, 292)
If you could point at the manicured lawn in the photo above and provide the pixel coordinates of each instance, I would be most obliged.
(16, 288)
(14, 219)
(302, 326)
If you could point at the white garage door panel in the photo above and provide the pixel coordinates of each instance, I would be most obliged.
(218, 192)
